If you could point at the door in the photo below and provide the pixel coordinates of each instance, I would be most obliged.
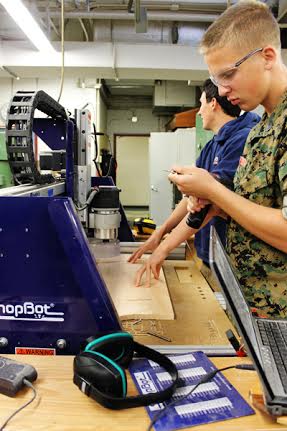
(133, 169)
(162, 155)
(165, 150)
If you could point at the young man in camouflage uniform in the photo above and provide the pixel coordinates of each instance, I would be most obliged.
(242, 50)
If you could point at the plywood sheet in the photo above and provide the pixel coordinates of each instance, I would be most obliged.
(200, 321)
(133, 302)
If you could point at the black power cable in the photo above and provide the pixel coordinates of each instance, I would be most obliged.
(112, 159)
(96, 150)
(29, 384)
(205, 379)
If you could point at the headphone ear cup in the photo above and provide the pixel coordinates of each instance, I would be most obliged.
(102, 373)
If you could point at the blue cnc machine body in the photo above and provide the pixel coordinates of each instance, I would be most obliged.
(50, 287)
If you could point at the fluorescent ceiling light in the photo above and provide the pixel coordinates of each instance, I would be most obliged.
(20, 14)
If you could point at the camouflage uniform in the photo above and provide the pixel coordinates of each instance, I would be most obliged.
(261, 177)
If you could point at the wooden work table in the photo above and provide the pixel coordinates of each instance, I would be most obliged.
(60, 405)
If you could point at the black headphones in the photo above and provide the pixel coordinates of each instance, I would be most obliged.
(99, 371)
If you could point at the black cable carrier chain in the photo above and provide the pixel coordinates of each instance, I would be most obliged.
(19, 130)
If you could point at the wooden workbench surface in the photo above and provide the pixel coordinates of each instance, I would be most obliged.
(199, 319)
(61, 406)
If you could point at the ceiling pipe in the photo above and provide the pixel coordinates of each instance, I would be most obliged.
(152, 16)
(185, 2)
(168, 3)
(173, 4)
(84, 29)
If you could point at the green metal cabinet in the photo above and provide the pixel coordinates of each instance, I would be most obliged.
(202, 136)
(6, 179)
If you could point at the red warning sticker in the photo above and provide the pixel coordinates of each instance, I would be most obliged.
(35, 351)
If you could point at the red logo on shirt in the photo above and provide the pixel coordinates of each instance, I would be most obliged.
(242, 161)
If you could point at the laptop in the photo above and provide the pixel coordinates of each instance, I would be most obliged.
(264, 339)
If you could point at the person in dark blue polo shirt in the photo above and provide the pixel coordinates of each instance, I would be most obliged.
(220, 156)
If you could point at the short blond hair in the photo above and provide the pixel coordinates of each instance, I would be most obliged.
(248, 24)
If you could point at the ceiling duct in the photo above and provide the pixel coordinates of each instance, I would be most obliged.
(158, 33)
(218, 5)
(173, 96)
(124, 15)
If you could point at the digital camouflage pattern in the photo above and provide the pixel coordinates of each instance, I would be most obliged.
(262, 178)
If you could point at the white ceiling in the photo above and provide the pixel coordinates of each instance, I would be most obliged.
(101, 41)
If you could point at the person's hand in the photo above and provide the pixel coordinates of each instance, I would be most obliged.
(149, 245)
(195, 204)
(193, 181)
(150, 268)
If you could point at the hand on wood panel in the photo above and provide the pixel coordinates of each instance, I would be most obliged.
(130, 301)
(149, 245)
(151, 267)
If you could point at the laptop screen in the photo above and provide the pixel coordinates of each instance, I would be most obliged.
(238, 306)
(230, 286)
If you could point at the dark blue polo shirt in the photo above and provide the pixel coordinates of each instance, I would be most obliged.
(221, 156)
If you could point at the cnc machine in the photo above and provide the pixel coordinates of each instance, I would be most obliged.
(52, 296)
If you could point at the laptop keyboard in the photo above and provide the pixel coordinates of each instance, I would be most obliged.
(274, 335)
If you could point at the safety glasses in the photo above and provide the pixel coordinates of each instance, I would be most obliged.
(225, 78)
